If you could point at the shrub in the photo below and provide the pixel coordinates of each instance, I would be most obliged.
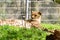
(58, 1)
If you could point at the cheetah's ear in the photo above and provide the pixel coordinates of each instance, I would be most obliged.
(39, 13)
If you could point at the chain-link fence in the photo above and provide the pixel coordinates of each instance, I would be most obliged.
(17, 9)
(49, 9)
(12, 9)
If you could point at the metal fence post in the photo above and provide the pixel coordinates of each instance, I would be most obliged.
(27, 6)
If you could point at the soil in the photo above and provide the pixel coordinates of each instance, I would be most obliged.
(54, 36)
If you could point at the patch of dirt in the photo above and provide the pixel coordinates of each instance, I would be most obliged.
(54, 36)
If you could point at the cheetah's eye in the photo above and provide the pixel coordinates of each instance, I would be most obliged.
(35, 15)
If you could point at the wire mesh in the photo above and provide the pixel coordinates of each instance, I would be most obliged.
(17, 9)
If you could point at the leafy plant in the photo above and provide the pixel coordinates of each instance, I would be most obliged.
(16, 33)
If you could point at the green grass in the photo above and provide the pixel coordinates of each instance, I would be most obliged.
(16, 33)
(51, 26)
